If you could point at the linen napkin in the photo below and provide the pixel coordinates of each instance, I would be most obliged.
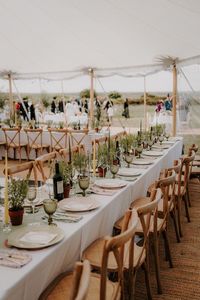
(14, 258)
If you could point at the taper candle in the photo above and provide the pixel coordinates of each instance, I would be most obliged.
(6, 215)
(94, 158)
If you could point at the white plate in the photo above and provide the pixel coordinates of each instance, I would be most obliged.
(110, 183)
(160, 147)
(142, 162)
(21, 237)
(152, 153)
(79, 204)
(129, 172)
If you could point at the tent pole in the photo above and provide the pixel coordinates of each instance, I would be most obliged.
(145, 105)
(10, 94)
(91, 116)
(174, 100)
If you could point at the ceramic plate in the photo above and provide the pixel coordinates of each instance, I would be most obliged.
(152, 153)
(129, 172)
(110, 183)
(35, 237)
(142, 162)
(79, 204)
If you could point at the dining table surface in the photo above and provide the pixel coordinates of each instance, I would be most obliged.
(111, 197)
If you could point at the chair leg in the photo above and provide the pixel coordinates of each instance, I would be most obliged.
(131, 285)
(188, 196)
(186, 208)
(147, 280)
(167, 248)
(179, 215)
(157, 263)
(173, 216)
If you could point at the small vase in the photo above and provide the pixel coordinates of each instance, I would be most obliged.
(102, 171)
(66, 188)
(16, 216)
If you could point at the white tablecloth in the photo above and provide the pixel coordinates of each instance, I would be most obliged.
(29, 281)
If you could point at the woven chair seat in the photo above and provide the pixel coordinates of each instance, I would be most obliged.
(62, 289)
(16, 145)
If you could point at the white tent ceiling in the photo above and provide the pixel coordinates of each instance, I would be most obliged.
(65, 37)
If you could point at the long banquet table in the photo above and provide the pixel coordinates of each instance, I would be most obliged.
(29, 281)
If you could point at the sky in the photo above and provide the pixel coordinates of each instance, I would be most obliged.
(159, 82)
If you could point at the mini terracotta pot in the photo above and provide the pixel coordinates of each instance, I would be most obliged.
(102, 171)
(66, 189)
(16, 216)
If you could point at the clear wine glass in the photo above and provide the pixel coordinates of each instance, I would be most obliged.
(84, 182)
(167, 136)
(150, 143)
(50, 206)
(31, 196)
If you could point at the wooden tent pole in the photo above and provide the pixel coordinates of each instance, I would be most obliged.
(91, 117)
(10, 94)
(174, 100)
(145, 105)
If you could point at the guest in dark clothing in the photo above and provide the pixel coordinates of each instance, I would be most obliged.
(86, 106)
(126, 109)
(25, 111)
(60, 106)
(32, 112)
(53, 107)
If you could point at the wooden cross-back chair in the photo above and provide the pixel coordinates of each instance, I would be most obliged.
(73, 286)
(195, 172)
(78, 137)
(165, 195)
(45, 163)
(13, 140)
(58, 138)
(181, 191)
(34, 137)
(25, 171)
(65, 153)
(100, 286)
(140, 203)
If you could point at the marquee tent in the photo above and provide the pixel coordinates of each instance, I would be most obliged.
(63, 38)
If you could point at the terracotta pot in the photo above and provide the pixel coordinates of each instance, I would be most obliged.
(96, 129)
(102, 171)
(16, 216)
(66, 188)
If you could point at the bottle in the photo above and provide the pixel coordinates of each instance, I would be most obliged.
(58, 184)
(118, 154)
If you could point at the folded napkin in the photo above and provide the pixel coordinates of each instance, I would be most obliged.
(63, 217)
(14, 258)
(38, 237)
(102, 191)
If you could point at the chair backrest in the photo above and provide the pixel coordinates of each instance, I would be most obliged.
(116, 245)
(12, 136)
(167, 186)
(34, 137)
(81, 280)
(46, 160)
(194, 147)
(65, 153)
(58, 138)
(25, 169)
(148, 213)
(79, 137)
(186, 168)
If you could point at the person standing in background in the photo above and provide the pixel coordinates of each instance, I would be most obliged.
(32, 112)
(126, 109)
(168, 103)
(53, 107)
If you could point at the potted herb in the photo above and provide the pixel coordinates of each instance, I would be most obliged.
(66, 172)
(17, 191)
(80, 161)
